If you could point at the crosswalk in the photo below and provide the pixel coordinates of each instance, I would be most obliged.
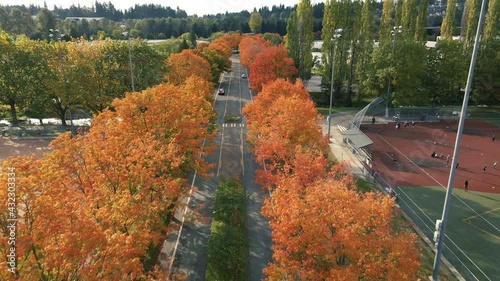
(239, 125)
(341, 128)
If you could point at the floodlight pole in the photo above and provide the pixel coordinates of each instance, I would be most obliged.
(336, 35)
(463, 114)
(395, 30)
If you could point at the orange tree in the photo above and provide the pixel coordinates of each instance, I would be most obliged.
(92, 208)
(322, 228)
(272, 63)
(325, 230)
(250, 47)
(185, 64)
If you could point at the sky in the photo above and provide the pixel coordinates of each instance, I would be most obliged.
(199, 7)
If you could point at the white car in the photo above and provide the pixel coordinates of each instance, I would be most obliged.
(243, 75)
(221, 91)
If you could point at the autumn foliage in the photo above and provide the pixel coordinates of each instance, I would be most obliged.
(92, 208)
(250, 47)
(185, 64)
(322, 227)
(272, 63)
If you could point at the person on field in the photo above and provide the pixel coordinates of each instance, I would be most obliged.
(493, 138)
(495, 165)
(484, 168)
(447, 160)
(433, 155)
(466, 185)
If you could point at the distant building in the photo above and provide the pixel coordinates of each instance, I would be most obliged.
(85, 18)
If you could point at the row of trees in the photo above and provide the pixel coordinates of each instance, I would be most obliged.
(95, 72)
(97, 205)
(322, 227)
(417, 75)
(31, 73)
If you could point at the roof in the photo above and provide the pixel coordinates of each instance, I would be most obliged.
(357, 138)
(85, 18)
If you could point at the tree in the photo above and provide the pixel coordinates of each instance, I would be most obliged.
(448, 26)
(325, 230)
(272, 63)
(469, 24)
(421, 22)
(491, 28)
(409, 20)
(386, 21)
(250, 47)
(185, 64)
(22, 72)
(255, 22)
(300, 38)
(446, 72)
(118, 184)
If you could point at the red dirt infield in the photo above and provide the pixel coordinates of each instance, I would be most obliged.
(403, 156)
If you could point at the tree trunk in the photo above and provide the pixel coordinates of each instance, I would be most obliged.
(13, 112)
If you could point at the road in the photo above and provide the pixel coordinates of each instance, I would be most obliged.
(233, 160)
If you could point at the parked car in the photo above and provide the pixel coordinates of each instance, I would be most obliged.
(221, 91)
(243, 75)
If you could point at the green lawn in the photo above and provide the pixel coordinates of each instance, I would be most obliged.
(472, 228)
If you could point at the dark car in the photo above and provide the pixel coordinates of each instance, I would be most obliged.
(221, 91)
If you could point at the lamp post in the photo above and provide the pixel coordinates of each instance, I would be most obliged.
(55, 33)
(336, 35)
(126, 33)
(395, 30)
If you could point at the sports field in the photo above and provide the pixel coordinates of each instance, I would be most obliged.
(403, 158)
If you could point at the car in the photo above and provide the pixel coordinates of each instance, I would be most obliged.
(221, 91)
(243, 75)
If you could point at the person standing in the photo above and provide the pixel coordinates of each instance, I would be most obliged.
(466, 185)
(484, 168)
(495, 165)
(447, 160)
(493, 138)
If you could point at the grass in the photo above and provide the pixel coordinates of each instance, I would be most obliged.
(228, 246)
(232, 119)
(475, 235)
(366, 186)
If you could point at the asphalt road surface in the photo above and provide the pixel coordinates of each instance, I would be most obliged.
(232, 160)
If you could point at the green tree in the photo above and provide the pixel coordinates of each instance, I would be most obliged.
(469, 23)
(255, 22)
(22, 72)
(409, 20)
(421, 21)
(448, 26)
(486, 86)
(446, 72)
(491, 24)
(386, 20)
(365, 43)
(300, 38)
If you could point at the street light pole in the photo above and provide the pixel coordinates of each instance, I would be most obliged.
(127, 33)
(336, 35)
(53, 34)
(395, 30)
(441, 225)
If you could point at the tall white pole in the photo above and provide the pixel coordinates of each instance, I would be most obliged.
(444, 219)
(336, 35)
